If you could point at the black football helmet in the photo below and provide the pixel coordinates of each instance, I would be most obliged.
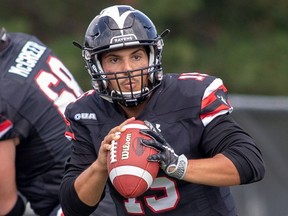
(3, 34)
(117, 27)
(4, 42)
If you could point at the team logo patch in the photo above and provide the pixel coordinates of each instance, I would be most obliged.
(86, 116)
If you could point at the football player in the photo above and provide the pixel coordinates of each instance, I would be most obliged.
(202, 150)
(35, 88)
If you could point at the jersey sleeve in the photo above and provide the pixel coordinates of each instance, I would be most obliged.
(206, 92)
(6, 129)
(215, 102)
(223, 135)
(69, 195)
(82, 156)
(75, 129)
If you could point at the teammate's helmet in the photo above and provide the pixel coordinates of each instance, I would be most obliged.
(3, 34)
(119, 27)
(3, 39)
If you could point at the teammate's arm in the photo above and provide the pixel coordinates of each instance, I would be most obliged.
(9, 199)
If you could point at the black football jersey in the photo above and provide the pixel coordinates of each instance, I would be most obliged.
(191, 110)
(35, 88)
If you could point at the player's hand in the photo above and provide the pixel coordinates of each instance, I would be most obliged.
(108, 141)
(170, 162)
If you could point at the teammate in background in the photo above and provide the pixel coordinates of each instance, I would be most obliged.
(202, 151)
(35, 88)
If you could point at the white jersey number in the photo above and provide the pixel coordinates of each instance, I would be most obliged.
(59, 73)
(156, 204)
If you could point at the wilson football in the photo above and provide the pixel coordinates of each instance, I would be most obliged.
(129, 170)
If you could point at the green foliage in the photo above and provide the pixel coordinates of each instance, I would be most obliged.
(249, 65)
(70, 55)
(243, 42)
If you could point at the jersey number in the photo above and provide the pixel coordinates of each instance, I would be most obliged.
(195, 76)
(58, 74)
(156, 204)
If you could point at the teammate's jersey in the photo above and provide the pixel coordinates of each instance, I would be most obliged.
(35, 88)
(191, 111)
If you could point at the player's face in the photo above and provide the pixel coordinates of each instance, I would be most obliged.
(128, 59)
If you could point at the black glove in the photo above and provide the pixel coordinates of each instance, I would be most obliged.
(170, 162)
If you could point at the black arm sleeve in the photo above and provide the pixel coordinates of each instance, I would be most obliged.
(224, 135)
(70, 202)
(19, 207)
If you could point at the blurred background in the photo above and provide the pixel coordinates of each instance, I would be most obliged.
(243, 42)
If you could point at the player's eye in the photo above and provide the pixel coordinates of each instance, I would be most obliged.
(114, 60)
(136, 57)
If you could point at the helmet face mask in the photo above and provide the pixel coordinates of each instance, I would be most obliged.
(131, 97)
(115, 28)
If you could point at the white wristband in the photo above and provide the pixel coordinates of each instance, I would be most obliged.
(180, 170)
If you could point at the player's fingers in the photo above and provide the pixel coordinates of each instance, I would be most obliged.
(154, 158)
(150, 133)
(150, 126)
(107, 147)
(114, 132)
(146, 132)
(110, 137)
(153, 144)
(121, 126)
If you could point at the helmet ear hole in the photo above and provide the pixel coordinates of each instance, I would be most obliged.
(94, 68)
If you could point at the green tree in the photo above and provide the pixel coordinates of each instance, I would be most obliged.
(242, 42)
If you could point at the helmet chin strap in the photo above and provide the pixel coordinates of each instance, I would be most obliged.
(130, 95)
(130, 99)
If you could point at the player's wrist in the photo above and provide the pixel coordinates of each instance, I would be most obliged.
(180, 170)
(19, 207)
(97, 166)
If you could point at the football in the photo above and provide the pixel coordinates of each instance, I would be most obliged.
(129, 170)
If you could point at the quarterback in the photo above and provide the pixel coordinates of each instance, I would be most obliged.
(201, 149)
